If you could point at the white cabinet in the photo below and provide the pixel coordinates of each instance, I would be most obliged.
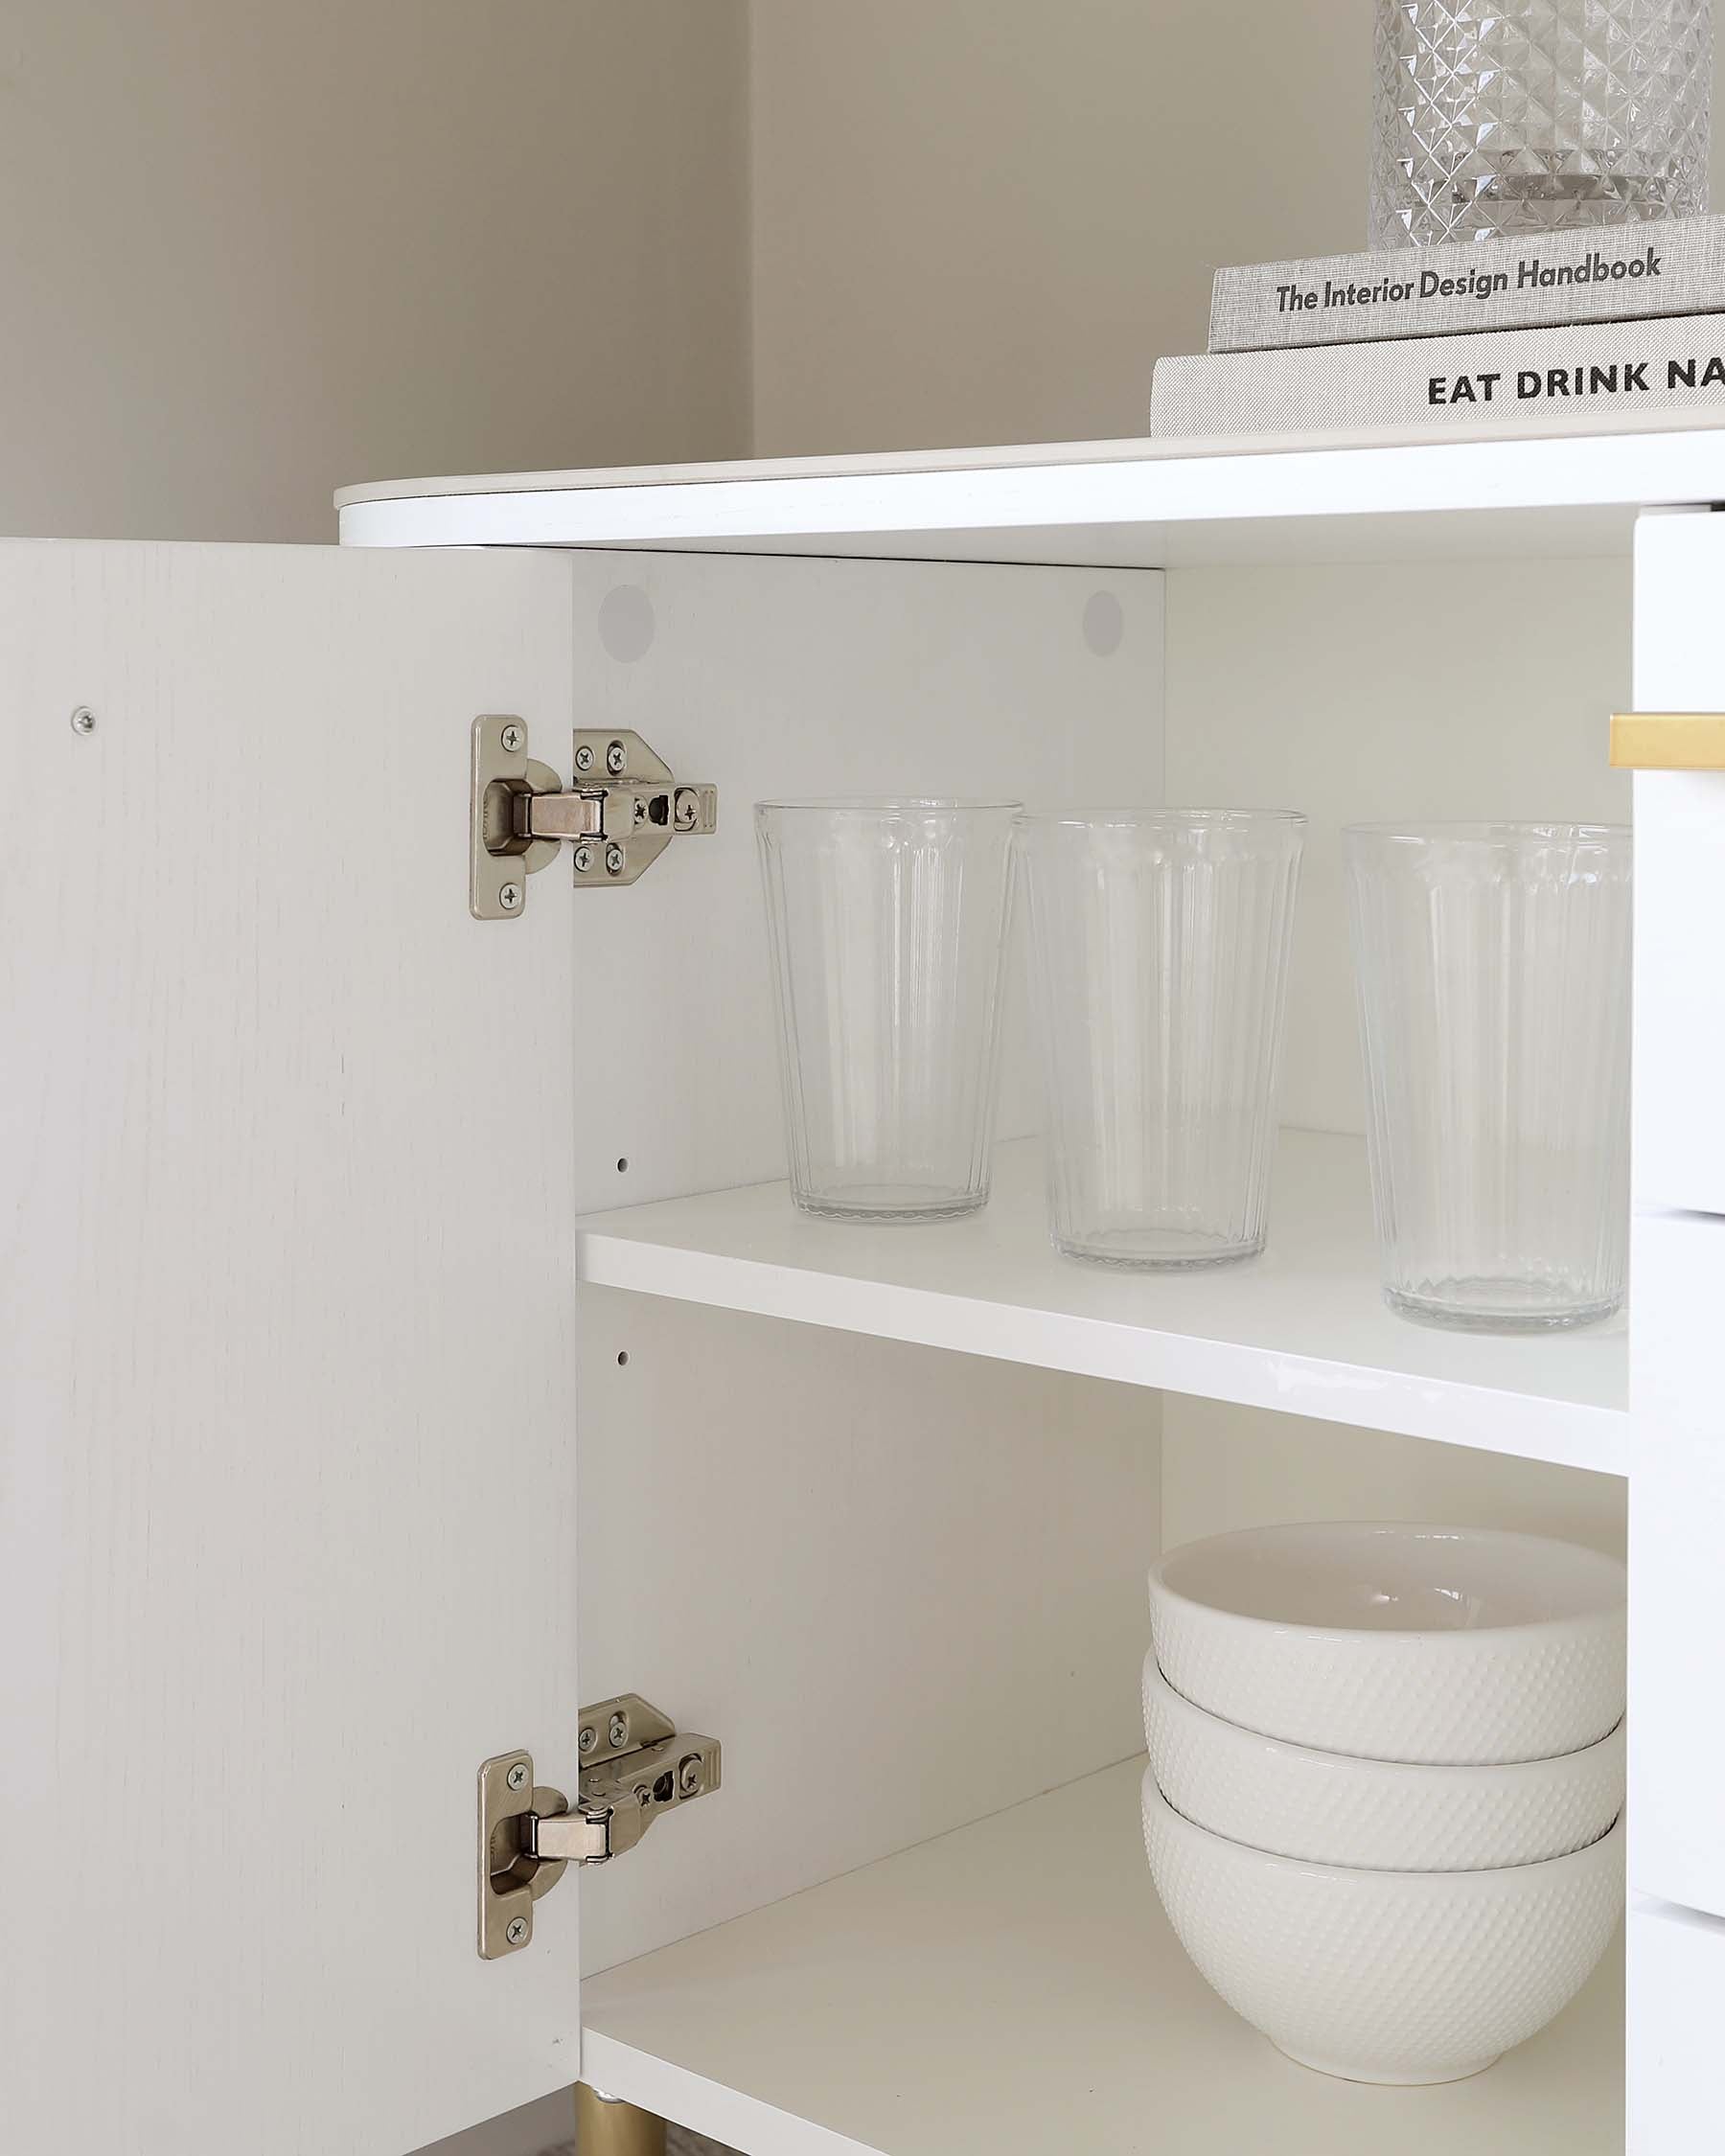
(346, 1232)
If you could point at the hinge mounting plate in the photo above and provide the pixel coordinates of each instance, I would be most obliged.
(634, 1765)
(620, 811)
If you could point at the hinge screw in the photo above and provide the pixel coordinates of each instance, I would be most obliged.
(583, 860)
(517, 1775)
(517, 1930)
(688, 1776)
(589, 1737)
(620, 1731)
(613, 861)
(84, 720)
(583, 758)
(509, 898)
(615, 759)
(513, 738)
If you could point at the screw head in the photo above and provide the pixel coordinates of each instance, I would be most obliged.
(620, 1731)
(583, 758)
(615, 758)
(589, 1737)
(517, 1776)
(509, 898)
(518, 1931)
(513, 737)
(688, 1776)
(613, 861)
(583, 860)
(84, 720)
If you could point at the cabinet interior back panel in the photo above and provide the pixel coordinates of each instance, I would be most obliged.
(1434, 691)
(788, 679)
(1226, 1467)
(903, 1587)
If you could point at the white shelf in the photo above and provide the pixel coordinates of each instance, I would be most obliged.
(1013, 1989)
(1111, 504)
(1302, 1328)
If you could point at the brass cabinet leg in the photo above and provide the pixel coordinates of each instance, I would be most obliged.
(603, 2126)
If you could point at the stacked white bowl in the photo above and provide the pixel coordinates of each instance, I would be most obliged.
(1386, 1781)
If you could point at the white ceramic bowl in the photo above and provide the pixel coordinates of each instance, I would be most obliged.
(1458, 1646)
(1377, 1815)
(1399, 1977)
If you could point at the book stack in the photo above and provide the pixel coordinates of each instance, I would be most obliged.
(1598, 322)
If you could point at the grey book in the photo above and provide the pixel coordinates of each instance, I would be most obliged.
(1596, 274)
(1598, 370)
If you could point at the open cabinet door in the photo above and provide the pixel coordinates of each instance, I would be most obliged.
(286, 1527)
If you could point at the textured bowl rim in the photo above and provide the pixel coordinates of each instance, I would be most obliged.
(1151, 1797)
(1430, 1638)
(1156, 1677)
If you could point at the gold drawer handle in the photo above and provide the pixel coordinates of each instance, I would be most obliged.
(1668, 741)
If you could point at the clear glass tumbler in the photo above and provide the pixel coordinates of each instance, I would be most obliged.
(1492, 965)
(887, 921)
(1158, 954)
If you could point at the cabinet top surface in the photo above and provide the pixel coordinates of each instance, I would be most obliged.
(1554, 490)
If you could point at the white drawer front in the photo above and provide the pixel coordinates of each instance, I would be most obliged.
(1676, 2013)
(1677, 1560)
(1680, 873)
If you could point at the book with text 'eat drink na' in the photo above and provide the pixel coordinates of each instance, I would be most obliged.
(1598, 371)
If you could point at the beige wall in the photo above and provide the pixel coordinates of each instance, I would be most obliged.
(983, 220)
(252, 249)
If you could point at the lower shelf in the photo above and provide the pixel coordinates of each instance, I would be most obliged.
(1014, 1988)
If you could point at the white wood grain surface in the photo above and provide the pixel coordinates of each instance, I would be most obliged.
(285, 1369)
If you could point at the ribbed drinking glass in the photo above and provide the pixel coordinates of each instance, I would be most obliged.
(1492, 965)
(887, 921)
(1158, 971)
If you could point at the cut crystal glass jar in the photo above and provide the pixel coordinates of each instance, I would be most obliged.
(1537, 115)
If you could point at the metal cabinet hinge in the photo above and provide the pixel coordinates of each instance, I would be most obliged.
(634, 1766)
(617, 816)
